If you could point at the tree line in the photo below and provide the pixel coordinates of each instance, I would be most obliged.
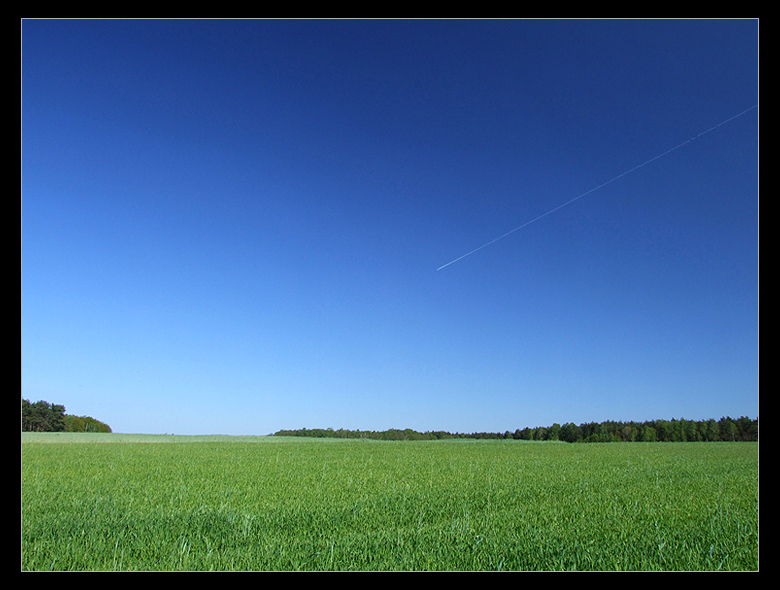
(674, 430)
(41, 416)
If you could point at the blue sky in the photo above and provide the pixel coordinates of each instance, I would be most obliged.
(235, 226)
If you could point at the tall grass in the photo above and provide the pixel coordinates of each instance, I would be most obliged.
(271, 504)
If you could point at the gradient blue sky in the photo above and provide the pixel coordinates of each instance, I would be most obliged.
(235, 226)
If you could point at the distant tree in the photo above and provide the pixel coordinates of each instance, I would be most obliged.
(664, 431)
(747, 429)
(728, 430)
(679, 431)
(628, 433)
(84, 424)
(693, 431)
(589, 431)
(554, 432)
(75, 424)
(710, 430)
(570, 432)
(42, 416)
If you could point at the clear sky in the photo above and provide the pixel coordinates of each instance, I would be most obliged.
(235, 226)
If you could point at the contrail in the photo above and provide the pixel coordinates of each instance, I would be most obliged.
(621, 175)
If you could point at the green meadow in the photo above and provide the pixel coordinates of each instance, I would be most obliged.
(158, 502)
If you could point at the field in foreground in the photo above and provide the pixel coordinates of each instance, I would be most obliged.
(122, 502)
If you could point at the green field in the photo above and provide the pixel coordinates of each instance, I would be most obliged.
(133, 502)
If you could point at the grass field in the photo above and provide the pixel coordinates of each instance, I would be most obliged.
(133, 502)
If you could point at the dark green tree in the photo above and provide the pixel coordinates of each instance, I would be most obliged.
(649, 434)
(84, 424)
(728, 430)
(42, 416)
(571, 433)
(710, 431)
(554, 432)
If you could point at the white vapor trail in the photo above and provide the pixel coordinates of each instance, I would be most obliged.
(621, 175)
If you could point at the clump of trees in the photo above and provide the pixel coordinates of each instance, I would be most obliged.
(674, 430)
(392, 434)
(41, 416)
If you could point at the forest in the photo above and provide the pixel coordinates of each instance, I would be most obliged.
(674, 430)
(41, 416)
